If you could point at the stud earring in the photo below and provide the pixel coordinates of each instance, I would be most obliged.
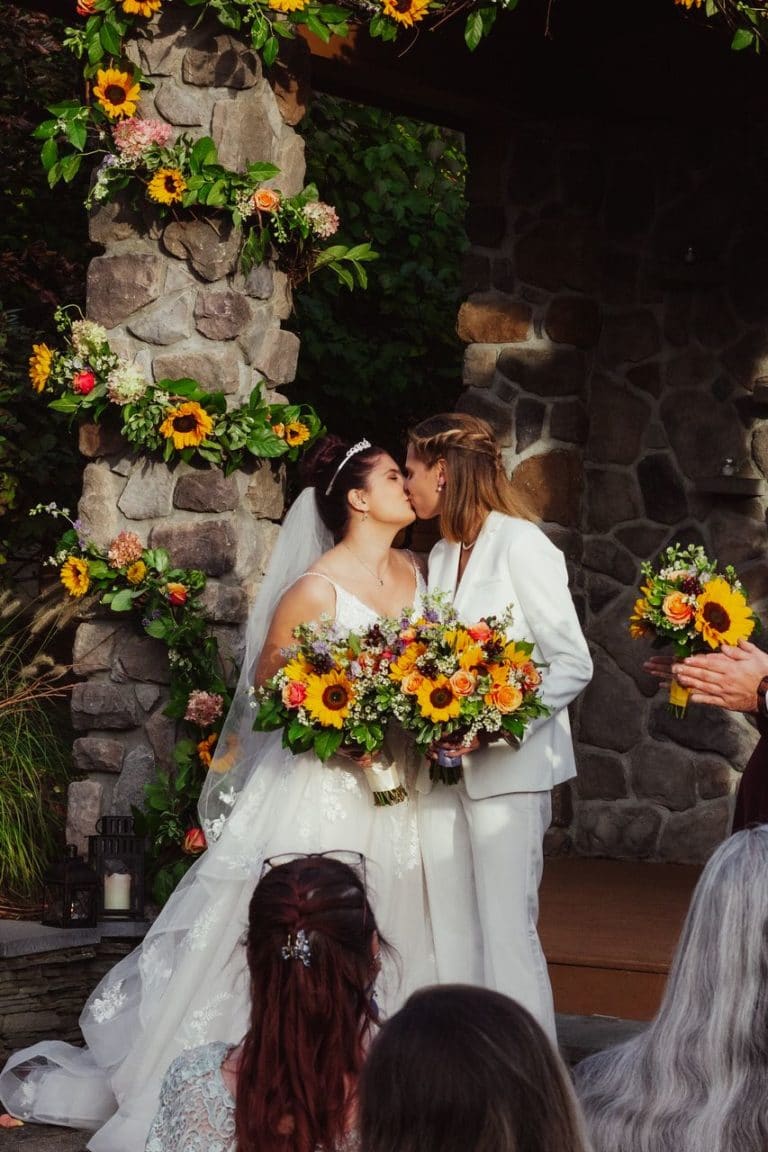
(440, 485)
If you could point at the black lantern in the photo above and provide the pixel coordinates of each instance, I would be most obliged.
(117, 857)
(70, 890)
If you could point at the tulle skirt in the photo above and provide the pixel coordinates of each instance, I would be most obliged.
(187, 983)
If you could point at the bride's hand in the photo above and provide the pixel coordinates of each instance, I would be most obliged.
(357, 755)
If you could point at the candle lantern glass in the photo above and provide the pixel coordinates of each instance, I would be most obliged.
(70, 891)
(116, 855)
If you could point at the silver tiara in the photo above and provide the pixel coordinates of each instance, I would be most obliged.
(359, 447)
(297, 948)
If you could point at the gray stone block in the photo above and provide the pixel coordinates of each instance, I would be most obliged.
(611, 713)
(94, 646)
(166, 323)
(618, 829)
(632, 336)
(479, 365)
(277, 356)
(706, 729)
(600, 775)
(142, 658)
(99, 705)
(84, 807)
(209, 546)
(138, 770)
(97, 754)
(209, 491)
(221, 315)
(662, 488)
(242, 134)
(544, 371)
(612, 497)
(212, 252)
(182, 107)
(118, 286)
(221, 62)
(215, 370)
(148, 492)
(691, 837)
(617, 422)
(665, 774)
(98, 504)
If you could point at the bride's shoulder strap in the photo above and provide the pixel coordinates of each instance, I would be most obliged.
(418, 563)
(314, 572)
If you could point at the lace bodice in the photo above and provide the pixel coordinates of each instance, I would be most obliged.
(353, 614)
(197, 1111)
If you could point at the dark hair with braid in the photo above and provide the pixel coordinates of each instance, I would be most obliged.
(476, 481)
(320, 467)
(310, 1024)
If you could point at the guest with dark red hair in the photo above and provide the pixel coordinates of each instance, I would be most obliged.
(291, 1084)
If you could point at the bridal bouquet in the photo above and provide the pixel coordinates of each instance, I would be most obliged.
(455, 680)
(686, 602)
(332, 693)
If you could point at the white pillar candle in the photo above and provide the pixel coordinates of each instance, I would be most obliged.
(117, 892)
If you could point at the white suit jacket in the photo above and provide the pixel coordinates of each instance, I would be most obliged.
(514, 562)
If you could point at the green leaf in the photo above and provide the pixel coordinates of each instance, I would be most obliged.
(326, 743)
(270, 50)
(77, 134)
(66, 404)
(70, 166)
(49, 154)
(110, 39)
(122, 601)
(473, 30)
(203, 153)
(742, 38)
(318, 27)
(46, 129)
(262, 171)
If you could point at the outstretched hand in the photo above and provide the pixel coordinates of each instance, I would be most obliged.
(727, 679)
(460, 746)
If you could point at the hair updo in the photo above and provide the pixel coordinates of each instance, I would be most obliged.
(320, 467)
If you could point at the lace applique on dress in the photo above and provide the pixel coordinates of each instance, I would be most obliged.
(155, 970)
(202, 1018)
(198, 934)
(108, 1005)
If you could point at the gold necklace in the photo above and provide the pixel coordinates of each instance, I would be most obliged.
(375, 575)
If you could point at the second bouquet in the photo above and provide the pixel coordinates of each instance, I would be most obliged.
(457, 682)
(333, 693)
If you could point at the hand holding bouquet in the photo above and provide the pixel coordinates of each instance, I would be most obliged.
(331, 696)
(453, 682)
(686, 602)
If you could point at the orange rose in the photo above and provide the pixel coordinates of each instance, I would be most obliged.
(480, 632)
(677, 609)
(265, 200)
(194, 842)
(85, 8)
(279, 430)
(176, 593)
(462, 683)
(506, 697)
(532, 676)
(412, 682)
(294, 694)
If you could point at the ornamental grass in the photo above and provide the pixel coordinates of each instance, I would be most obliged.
(35, 754)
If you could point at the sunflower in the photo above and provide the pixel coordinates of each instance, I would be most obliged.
(40, 366)
(187, 425)
(75, 577)
(637, 625)
(288, 5)
(140, 7)
(167, 186)
(296, 433)
(407, 12)
(136, 572)
(329, 699)
(297, 668)
(723, 615)
(117, 92)
(205, 749)
(437, 701)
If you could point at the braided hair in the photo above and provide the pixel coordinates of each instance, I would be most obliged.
(476, 479)
(310, 1022)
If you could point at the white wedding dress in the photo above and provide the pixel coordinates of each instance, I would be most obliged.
(187, 984)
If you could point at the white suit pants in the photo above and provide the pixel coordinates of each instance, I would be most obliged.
(483, 861)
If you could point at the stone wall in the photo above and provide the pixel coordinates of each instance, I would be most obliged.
(615, 324)
(172, 297)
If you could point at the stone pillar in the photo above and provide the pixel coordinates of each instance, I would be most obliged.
(615, 328)
(174, 301)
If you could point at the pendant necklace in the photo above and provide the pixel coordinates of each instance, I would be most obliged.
(466, 547)
(375, 575)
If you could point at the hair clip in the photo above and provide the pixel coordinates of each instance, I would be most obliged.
(298, 948)
(359, 447)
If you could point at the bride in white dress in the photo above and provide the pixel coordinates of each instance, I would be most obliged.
(187, 983)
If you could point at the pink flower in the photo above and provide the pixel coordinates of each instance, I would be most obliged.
(480, 632)
(83, 382)
(294, 694)
(125, 549)
(322, 218)
(135, 136)
(204, 708)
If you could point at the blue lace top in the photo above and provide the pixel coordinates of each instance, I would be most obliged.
(197, 1110)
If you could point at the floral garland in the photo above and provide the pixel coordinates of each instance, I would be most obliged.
(141, 157)
(165, 601)
(176, 417)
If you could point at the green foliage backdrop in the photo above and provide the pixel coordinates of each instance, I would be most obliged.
(376, 362)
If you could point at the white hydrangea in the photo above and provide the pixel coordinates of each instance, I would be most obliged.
(88, 337)
(125, 384)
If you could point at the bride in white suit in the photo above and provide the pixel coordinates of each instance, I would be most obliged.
(482, 839)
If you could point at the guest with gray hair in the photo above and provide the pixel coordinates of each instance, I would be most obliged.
(695, 1081)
